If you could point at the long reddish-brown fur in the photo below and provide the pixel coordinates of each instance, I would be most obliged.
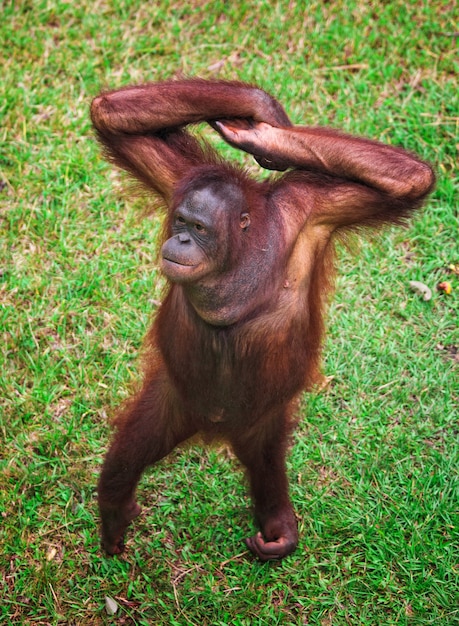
(229, 353)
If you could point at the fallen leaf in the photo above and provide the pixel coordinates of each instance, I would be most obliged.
(445, 287)
(110, 606)
(421, 289)
(51, 554)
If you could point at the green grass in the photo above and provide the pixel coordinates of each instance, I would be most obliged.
(374, 465)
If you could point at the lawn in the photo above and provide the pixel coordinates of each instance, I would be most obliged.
(374, 461)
